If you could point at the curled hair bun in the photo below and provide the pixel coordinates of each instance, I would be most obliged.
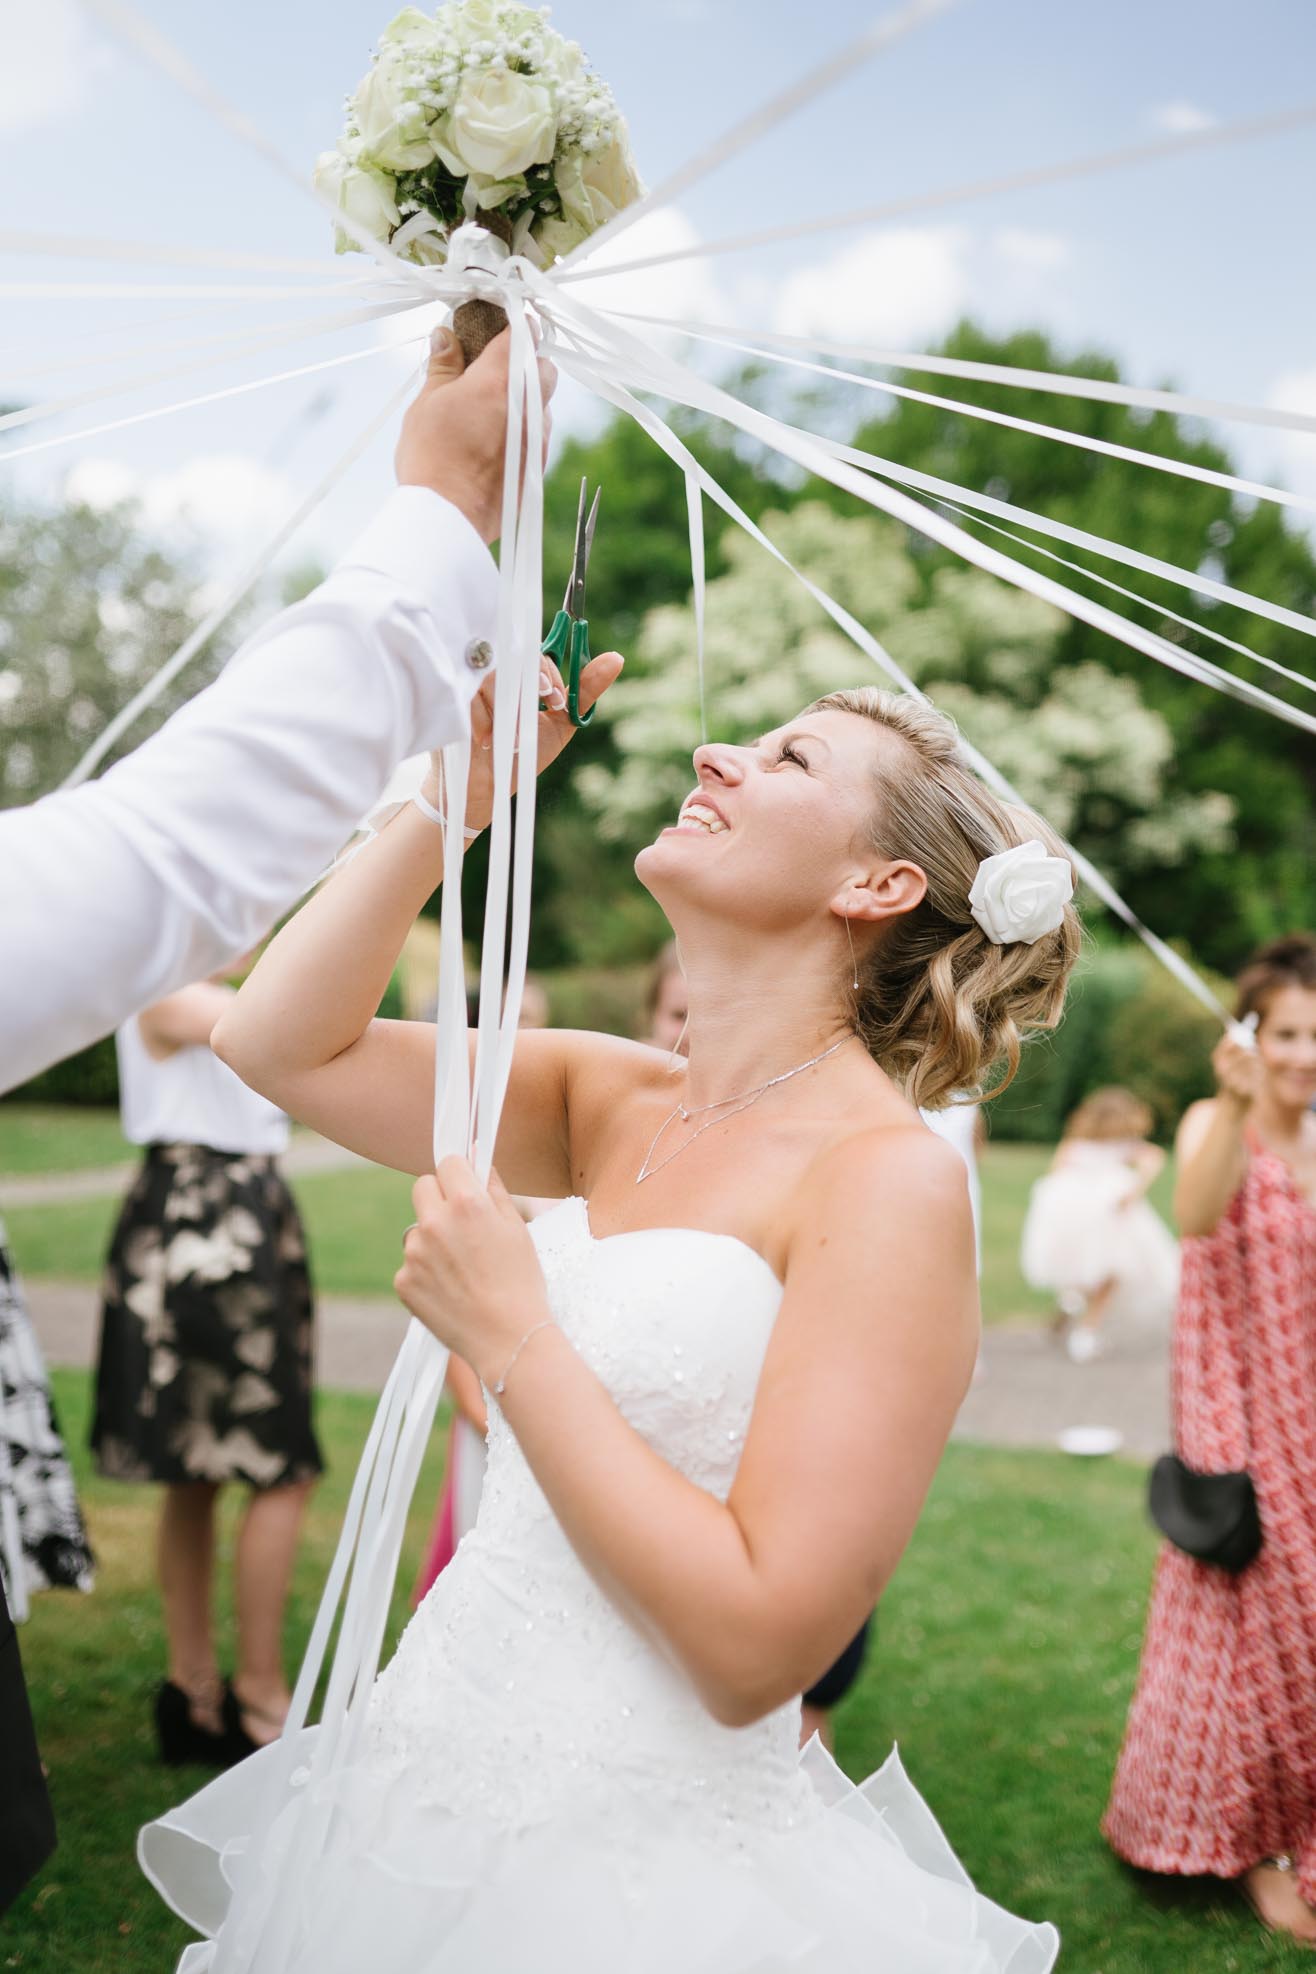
(942, 1008)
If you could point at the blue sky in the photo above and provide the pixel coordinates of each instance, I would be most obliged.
(1196, 271)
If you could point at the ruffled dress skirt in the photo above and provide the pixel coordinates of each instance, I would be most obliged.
(595, 1826)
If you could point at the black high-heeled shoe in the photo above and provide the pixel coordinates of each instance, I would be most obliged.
(238, 1741)
(180, 1738)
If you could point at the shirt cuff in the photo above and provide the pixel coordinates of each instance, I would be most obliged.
(428, 548)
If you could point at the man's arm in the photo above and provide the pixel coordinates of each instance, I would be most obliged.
(185, 853)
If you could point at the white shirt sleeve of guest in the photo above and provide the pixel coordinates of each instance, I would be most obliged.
(185, 853)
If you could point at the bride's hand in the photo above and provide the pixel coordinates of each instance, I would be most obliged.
(470, 1272)
(555, 730)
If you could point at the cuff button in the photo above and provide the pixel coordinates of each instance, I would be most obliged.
(479, 654)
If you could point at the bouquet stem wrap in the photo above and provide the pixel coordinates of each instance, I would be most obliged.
(477, 322)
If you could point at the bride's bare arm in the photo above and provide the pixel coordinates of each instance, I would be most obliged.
(870, 1356)
(303, 1030)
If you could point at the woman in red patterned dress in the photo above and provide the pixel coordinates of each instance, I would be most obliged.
(1218, 1770)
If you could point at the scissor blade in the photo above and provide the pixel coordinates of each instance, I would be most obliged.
(584, 543)
(577, 575)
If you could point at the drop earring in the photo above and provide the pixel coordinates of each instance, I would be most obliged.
(854, 967)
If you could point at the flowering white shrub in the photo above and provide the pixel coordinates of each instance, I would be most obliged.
(481, 107)
(1078, 741)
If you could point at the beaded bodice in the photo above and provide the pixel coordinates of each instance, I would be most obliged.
(519, 1687)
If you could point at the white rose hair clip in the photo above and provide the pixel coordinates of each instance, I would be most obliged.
(1020, 895)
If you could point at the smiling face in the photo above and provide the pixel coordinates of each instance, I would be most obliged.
(1286, 1043)
(774, 834)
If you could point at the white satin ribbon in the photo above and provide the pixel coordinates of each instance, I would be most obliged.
(1134, 596)
(1134, 558)
(248, 344)
(749, 130)
(1272, 124)
(261, 1933)
(207, 397)
(1161, 462)
(1058, 382)
(586, 369)
(831, 461)
(77, 246)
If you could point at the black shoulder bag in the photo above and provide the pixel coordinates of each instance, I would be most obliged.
(1210, 1516)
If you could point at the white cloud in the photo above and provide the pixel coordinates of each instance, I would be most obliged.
(893, 287)
(687, 290)
(222, 502)
(50, 58)
(1180, 119)
(904, 288)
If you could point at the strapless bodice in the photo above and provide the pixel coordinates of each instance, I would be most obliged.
(516, 1647)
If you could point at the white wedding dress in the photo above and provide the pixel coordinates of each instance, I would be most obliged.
(543, 1792)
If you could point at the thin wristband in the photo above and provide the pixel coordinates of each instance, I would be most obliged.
(437, 816)
(501, 1386)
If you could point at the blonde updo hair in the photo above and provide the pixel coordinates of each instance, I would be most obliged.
(939, 1006)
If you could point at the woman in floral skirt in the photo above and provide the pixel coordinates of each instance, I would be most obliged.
(1218, 1771)
(205, 1365)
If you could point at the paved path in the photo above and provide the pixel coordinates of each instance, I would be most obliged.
(358, 1339)
(307, 1153)
(1029, 1391)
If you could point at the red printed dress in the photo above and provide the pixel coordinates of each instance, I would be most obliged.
(1218, 1769)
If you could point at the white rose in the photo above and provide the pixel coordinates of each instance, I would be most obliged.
(394, 131)
(565, 58)
(557, 237)
(1020, 895)
(593, 185)
(410, 25)
(500, 125)
(365, 196)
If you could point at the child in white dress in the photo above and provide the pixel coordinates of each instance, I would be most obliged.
(1090, 1235)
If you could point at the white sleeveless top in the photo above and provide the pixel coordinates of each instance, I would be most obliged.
(192, 1098)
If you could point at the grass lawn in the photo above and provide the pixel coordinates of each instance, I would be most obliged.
(354, 1217)
(58, 1138)
(1005, 1654)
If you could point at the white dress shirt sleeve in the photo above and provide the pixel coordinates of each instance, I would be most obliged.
(184, 854)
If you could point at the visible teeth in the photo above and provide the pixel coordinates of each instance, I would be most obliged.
(695, 812)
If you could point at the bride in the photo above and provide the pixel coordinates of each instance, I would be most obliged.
(721, 1370)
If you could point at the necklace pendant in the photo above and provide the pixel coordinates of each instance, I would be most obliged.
(683, 1113)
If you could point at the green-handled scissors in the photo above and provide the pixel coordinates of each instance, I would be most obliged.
(567, 642)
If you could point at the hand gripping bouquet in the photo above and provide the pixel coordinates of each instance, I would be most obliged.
(480, 112)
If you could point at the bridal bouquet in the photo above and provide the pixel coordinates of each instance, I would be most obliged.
(480, 112)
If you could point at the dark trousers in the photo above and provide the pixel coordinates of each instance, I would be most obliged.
(27, 1822)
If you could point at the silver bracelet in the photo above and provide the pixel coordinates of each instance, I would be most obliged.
(437, 816)
(501, 1386)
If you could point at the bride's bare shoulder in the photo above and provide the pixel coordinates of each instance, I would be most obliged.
(892, 1171)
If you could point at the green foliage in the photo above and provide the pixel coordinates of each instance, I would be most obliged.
(89, 1077)
(1126, 1021)
(90, 607)
(1248, 871)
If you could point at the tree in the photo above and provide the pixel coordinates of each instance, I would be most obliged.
(89, 609)
(1078, 741)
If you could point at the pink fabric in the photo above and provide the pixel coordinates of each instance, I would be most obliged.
(1218, 1768)
(443, 1536)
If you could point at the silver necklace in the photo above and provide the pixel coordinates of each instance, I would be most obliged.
(732, 1106)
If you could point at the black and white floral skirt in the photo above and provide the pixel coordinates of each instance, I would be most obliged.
(206, 1326)
(43, 1542)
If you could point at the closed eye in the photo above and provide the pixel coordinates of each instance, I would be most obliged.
(789, 753)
